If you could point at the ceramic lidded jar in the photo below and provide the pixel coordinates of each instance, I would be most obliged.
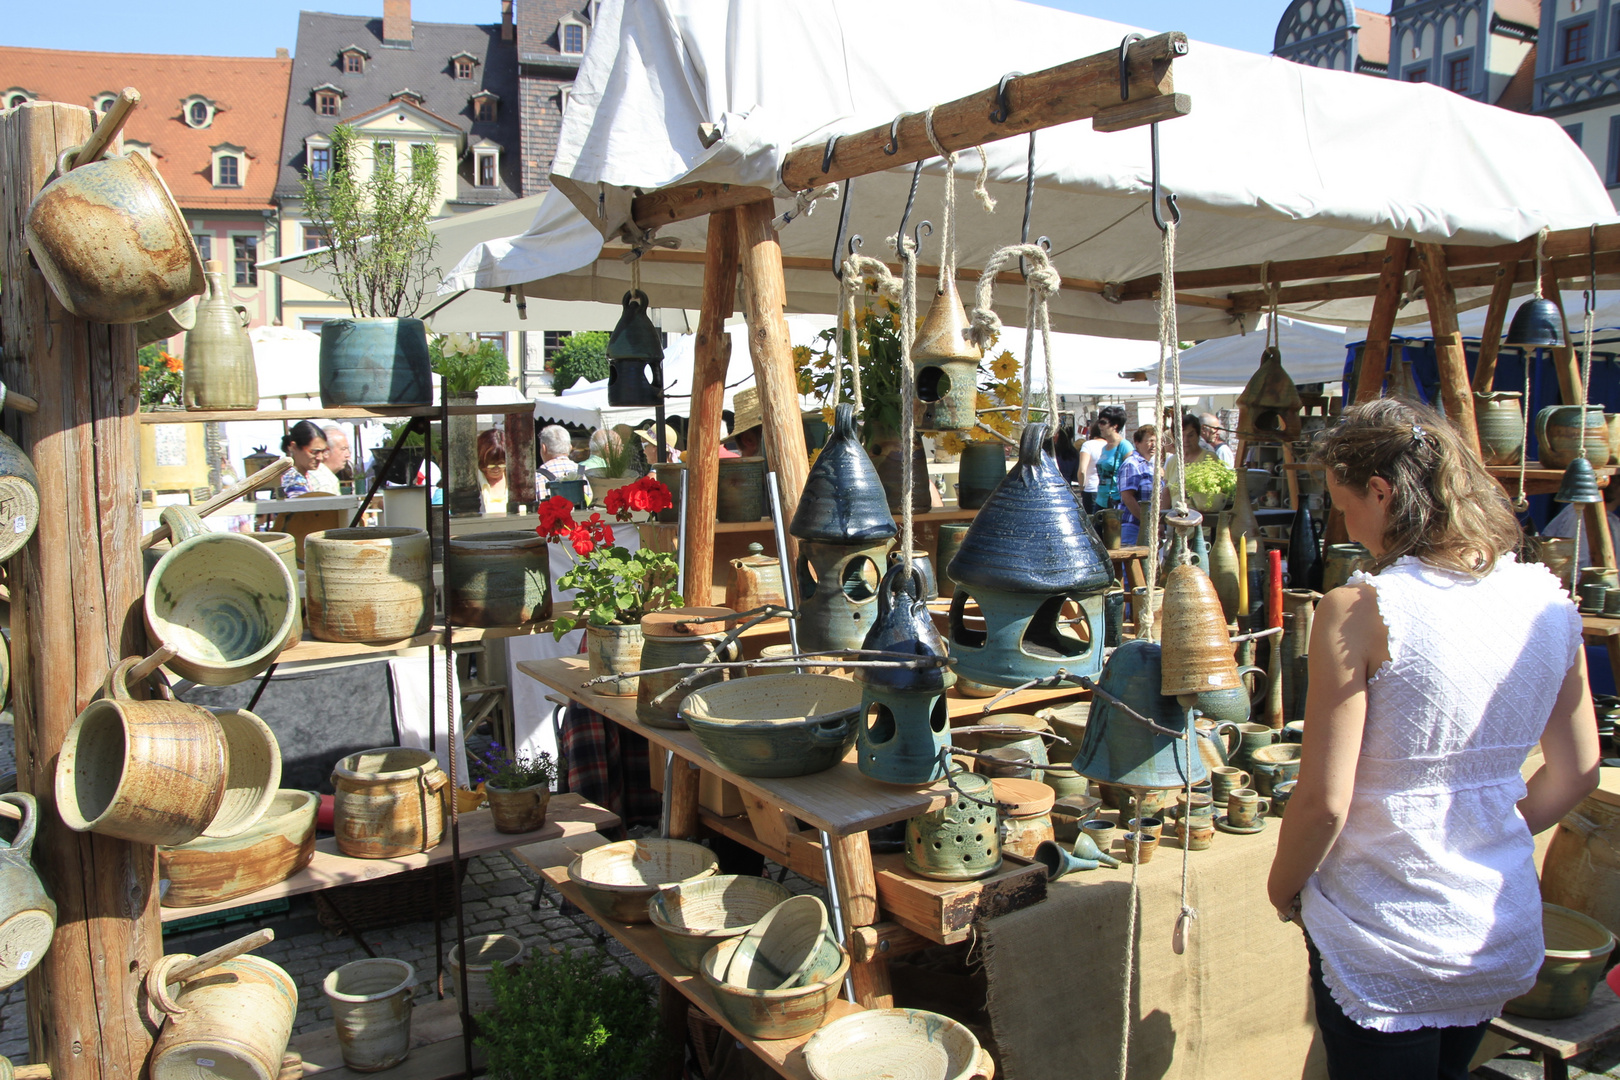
(960, 841)
(1029, 558)
(219, 371)
(904, 721)
(844, 523)
(947, 364)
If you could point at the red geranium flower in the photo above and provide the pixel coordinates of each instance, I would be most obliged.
(580, 537)
(556, 517)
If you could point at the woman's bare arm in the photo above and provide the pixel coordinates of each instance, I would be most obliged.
(1569, 747)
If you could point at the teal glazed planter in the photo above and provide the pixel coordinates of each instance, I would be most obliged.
(951, 535)
(904, 722)
(1117, 750)
(980, 468)
(498, 578)
(375, 363)
(1029, 551)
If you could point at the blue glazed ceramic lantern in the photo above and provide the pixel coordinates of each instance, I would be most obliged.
(1029, 553)
(845, 532)
(1119, 750)
(635, 348)
(904, 723)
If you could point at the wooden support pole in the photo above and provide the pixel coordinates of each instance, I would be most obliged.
(685, 778)
(857, 885)
(1375, 353)
(75, 595)
(1490, 339)
(1455, 390)
(672, 1011)
(1566, 364)
(765, 307)
(519, 460)
(711, 359)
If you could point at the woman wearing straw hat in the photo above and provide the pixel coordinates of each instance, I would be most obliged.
(746, 429)
(648, 436)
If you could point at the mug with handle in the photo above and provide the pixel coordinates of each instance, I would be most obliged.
(27, 913)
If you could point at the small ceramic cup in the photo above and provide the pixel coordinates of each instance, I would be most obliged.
(1202, 807)
(1147, 826)
(1101, 831)
(1139, 848)
(1196, 834)
(1225, 779)
(1593, 597)
(1245, 807)
(1280, 794)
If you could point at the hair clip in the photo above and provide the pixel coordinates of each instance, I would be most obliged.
(1417, 433)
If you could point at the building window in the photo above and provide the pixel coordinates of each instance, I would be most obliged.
(353, 63)
(246, 252)
(1574, 132)
(197, 114)
(573, 39)
(313, 325)
(555, 338)
(105, 102)
(1457, 74)
(326, 104)
(1577, 43)
(423, 156)
(205, 245)
(1418, 74)
(225, 171)
(486, 171)
(464, 68)
(484, 109)
(18, 97)
(315, 237)
(382, 156)
(320, 161)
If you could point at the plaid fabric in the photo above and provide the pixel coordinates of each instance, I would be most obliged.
(1135, 475)
(608, 765)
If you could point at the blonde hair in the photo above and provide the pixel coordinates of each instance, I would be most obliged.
(1444, 508)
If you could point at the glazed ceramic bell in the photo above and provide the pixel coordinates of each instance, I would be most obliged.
(1538, 324)
(1120, 750)
(1269, 407)
(1579, 484)
(1197, 655)
(846, 531)
(1029, 552)
(904, 723)
(947, 365)
(632, 347)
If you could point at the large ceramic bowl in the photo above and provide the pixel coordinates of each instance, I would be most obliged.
(770, 1014)
(1578, 947)
(209, 871)
(776, 725)
(619, 879)
(881, 1043)
(695, 916)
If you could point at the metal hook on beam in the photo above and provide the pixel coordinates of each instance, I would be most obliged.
(911, 200)
(894, 136)
(999, 114)
(1159, 193)
(1029, 205)
(843, 222)
(1125, 65)
(827, 154)
(924, 228)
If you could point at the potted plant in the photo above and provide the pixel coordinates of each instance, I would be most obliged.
(174, 457)
(613, 587)
(1209, 483)
(409, 461)
(518, 785)
(617, 469)
(569, 1017)
(464, 363)
(374, 215)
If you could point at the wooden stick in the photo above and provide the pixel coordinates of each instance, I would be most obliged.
(11, 399)
(1566, 364)
(1455, 390)
(10, 810)
(141, 670)
(711, 360)
(267, 475)
(1490, 339)
(193, 968)
(1375, 353)
(31, 1072)
(111, 124)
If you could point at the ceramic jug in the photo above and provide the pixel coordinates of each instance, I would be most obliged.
(1501, 426)
(27, 913)
(1236, 705)
(1305, 568)
(219, 371)
(1565, 432)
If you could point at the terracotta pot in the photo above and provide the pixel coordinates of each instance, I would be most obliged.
(27, 913)
(613, 650)
(518, 810)
(111, 241)
(219, 372)
(368, 584)
(486, 952)
(388, 802)
(273, 849)
(498, 578)
(1564, 432)
(371, 1009)
(1500, 422)
(375, 362)
(236, 1017)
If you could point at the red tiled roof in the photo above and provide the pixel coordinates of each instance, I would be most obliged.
(1372, 37)
(250, 97)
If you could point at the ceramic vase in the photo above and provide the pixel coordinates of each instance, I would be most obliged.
(1565, 432)
(518, 810)
(1305, 569)
(980, 469)
(1500, 422)
(613, 650)
(1223, 566)
(219, 370)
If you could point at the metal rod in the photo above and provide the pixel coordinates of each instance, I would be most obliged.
(377, 474)
(784, 661)
(669, 794)
(680, 528)
(789, 593)
(1239, 639)
(836, 904)
(258, 692)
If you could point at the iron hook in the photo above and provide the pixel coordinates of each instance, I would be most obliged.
(924, 228)
(1591, 263)
(1029, 203)
(911, 200)
(855, 243)
(827, 154)
(1125, 65)
(998, 115)
(843, 226)
(1158, 191)
(894, 136)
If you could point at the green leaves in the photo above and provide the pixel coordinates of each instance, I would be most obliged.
(615, 585)
(581, 356)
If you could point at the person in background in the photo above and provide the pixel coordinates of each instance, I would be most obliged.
(555, 463)
(747, 430)
(1215, 439)
(1065, 453)
(1136, 482)
(338, 457)
(492, 469)
(306, 444)
(603, 442)
(650, 442)
(1100, 459)
(1192, 450)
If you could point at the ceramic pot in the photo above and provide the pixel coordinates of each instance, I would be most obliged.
(980, 469)
(111, 241)
(1577, 951)
(838, 586)
(19, 498)
(1028, 738)
(816, 430)
(1305, 567)
(1269, 407)
(613, 650)
(756, 581)
(1223, 567)
(1197, 655)
(371, 1009)
(1500, 422)
(695, 916)
(1582, 867)
(273, 849)
(770, 1014)
(669, 639)
(1219, 741)
(372, 584)
(518, 810)
(776, 725)
(219, 372)
(1274, 765)
(231, 1022)
(177, 320)
(225, 602)
(388, 802)
(375, 363)
(27, 912)
(1026, 821)
(891, 468)
(498, 578)
(462, 487)
(1612, 422)
(618, 879)
(741, 495)
(1235, 705)
(1121, 752)
(1565, 432)
(485, 953)
(1340, 561)
(877, 1043)
(951, 535)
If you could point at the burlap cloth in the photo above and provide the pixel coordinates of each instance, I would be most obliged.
(1236, 1004)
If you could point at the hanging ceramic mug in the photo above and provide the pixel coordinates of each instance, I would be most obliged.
(27, 913)
(225, 603)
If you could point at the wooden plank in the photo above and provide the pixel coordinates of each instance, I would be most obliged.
(945, 911)
(1567, 1038)
(520, 461)
(885, 939)
(568, 815)
(771, 824)
(683, 799)
(1375, 353)
(1360, 262)
(1140, 111)
(346, 412)
(711, 359)
(1490, 338)
(1456, 392)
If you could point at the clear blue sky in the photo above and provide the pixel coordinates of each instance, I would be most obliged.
(256, 27)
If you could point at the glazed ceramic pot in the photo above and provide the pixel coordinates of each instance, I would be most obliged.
(27, 912)
(1108, 526)
(371, 1009)
(369, 584)
(876, 1043)
(891, 467)
(695, 916)
(1565, 432)
(1582, 866)
(618, 879)
(905, 725)
(1026, 815)
(1340, 561)
(388, 802)
(756, 580)
(1577, 951)
(770, 1014)
(1029, 553)
(177, 320)
(1223, 567)
(485, 953)
(951, 535)
(1236, 704)
(946, 362)
(1027, 737)
(219, 372)
(668, 638)
(614, 650)
(1198, 655)
(1304, 559)
(375, 363)
(777, 724)
(462, 488)
(1500, 422)
(236, 1016)
(980, 469)
(518, 810)
(672, 474)
(960, 841)
(273, 849)
(498, 578)
(111, 241)
(1120, 752)
(741, 495)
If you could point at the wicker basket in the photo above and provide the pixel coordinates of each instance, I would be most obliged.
(390, 901)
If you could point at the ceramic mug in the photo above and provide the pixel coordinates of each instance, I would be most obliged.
(1225, 780)
(1294, 731)
(1202, 806)
(1251, 738)
(1280, 794)
(1147, 826)
(1244, 808)
(1593, 597)
(27, 913)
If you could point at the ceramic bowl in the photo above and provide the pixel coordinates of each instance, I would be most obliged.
(692, 917)
(770, 1014)
(619, 879)
(209, 871)
(776, 725)
(782, 947)
(1578, 947)
(880, 1043)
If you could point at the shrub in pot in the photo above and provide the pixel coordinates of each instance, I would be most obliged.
(518, 785)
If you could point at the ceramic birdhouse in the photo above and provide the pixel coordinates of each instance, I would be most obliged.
(1119, 749)
(845, 532)
(1197, 653)
(904, 723)
(1269, 407)
(1029, 560)
(636, 354)
(947, 365)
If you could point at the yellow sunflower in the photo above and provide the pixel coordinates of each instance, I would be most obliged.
(951, 443)
(1004, 366)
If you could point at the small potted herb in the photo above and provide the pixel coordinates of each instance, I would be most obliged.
(519, 787)
(1209, 483)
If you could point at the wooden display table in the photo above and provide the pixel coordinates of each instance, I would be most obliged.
(1560, 1040)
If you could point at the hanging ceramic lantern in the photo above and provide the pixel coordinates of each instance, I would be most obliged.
(633, 348)
(1029, 553)
(947, 364)
(1269, 407)
(1197, 653)
(846, 531)
(904, 721)
(1118, 749)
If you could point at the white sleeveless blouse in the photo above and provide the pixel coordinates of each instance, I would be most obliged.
(1426, 910)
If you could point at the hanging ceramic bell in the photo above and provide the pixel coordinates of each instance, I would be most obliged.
(1579, 484)
(1029, 552)
(947, 364)
(1119, 750)
(219, 371)
(1269, 407)
(846, 532)
(904, 723)
(1197, 653)
(634, 348)
(1538, 324)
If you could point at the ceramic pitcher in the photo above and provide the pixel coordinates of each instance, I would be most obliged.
(219, 371)
(27, 913)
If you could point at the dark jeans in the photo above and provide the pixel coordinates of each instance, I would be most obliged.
(1356, 1053)
(1088, 500)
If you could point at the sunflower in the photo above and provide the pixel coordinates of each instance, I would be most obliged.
(951, 443)
(1004, 366)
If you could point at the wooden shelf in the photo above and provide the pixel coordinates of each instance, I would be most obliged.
(203, 416)
(309, 649)
(436, 1052)
(568, 815)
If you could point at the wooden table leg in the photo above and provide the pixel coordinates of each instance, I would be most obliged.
(1612, 643)
(857, 888)
(672, 1007)
(683, 801)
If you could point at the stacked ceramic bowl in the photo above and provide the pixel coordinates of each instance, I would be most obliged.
(778, 980)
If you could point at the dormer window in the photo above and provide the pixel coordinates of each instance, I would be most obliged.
(227, 170)
(141, 148)
(103, 103)
(327, 99)
(197, 111)
(317, 157)
(486, 157)
(16, 96)
(571, 37)
(407, 94)
(464, 64)
(352, 61)
(485, 105)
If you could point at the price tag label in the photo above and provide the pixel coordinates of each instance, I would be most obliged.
(20, 525)
(24, 960)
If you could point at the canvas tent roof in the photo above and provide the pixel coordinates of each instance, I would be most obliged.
(1309, 175)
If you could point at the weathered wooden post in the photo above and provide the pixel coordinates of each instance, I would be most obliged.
(75, 591)
(712, 356)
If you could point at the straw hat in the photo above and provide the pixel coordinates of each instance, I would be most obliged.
(648, 436)
(745, 410)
